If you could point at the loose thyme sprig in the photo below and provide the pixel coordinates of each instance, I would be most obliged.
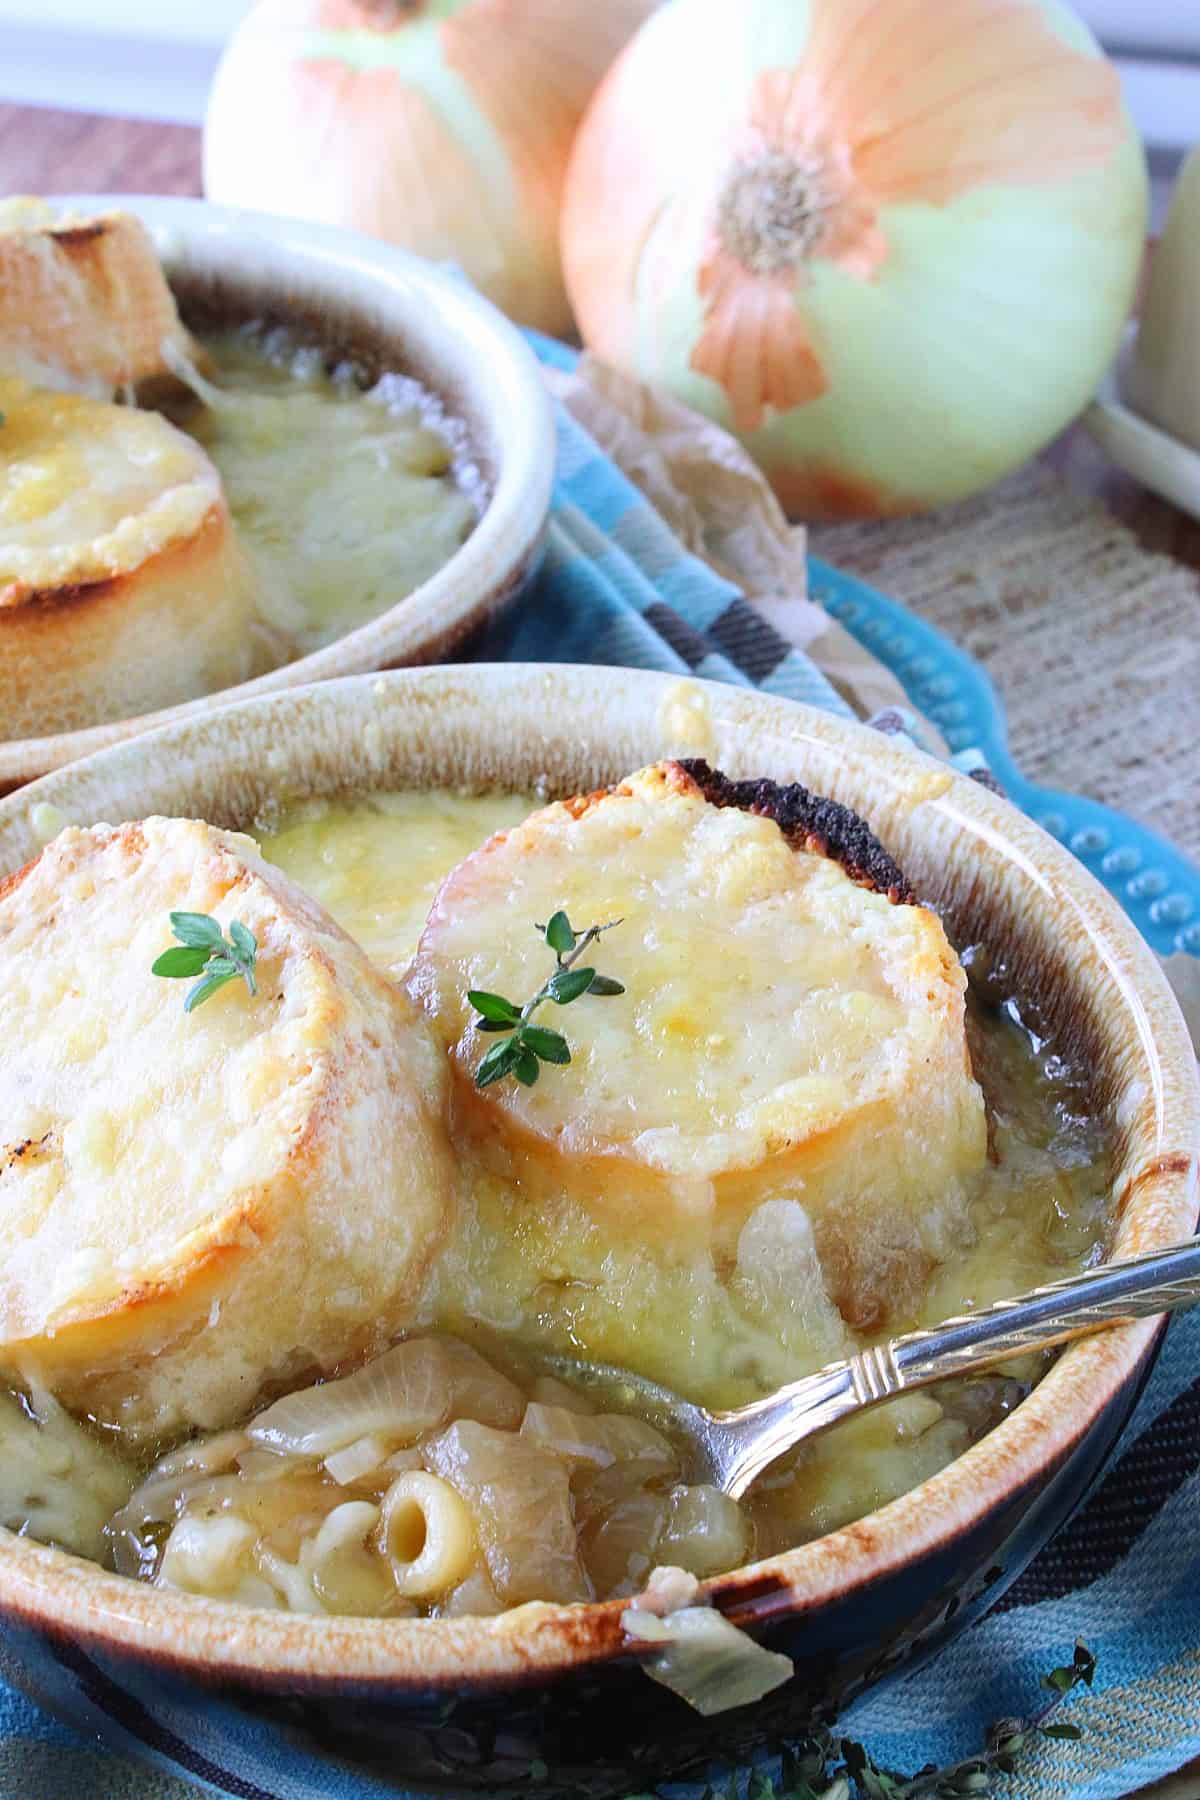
(822, 1766)
(528, 1045)
(204, 950)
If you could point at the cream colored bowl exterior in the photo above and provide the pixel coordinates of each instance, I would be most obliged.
(1065, 938)
(454, 339)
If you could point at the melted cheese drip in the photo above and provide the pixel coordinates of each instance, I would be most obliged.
(58, 1482)
(376, 864)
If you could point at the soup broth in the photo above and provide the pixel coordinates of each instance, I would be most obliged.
(454, 1474)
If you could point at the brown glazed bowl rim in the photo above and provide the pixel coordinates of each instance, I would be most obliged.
(371, 294)
(482, 724)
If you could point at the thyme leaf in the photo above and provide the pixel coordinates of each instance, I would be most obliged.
(821, 1766)
(203, 950)
(526, 1046)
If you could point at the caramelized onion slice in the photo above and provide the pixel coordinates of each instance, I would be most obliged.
(413, 1388)
(705, 1659)
(600, 1441)
(706, 1532)
(520, 1497)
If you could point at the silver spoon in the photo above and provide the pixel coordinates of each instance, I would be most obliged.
(733, 1448)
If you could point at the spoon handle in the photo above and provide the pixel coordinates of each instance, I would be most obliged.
(1114, 1293)
(743, 1443)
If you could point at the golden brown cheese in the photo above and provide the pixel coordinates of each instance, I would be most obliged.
(84, 304)
(787, 1033)
(192, 1204)
(122, 587)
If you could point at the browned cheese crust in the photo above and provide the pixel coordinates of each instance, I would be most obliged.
(808, 822)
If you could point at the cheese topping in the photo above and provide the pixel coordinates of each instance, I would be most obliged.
(155, 1164)
(346, 499)
(377, 863)
(89, 491)
(769, 999)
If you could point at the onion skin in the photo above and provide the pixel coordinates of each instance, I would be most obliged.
(891, 243)
(441, 125)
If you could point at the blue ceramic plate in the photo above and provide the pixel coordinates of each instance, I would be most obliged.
(1158, 887)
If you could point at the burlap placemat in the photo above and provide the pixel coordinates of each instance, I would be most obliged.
(1092, 640)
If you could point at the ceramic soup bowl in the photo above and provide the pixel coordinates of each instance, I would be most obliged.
(360, 297)
(265, 1704)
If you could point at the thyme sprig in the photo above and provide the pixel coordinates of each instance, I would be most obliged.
(526, 1046)
(204, 950)
(821, 1766)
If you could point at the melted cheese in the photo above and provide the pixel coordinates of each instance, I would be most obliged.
(377, 863)
(345, 499)
(58, 1482)
(729, 942)
(89, 491)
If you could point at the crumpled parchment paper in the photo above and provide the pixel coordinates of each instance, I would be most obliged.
(721, 507)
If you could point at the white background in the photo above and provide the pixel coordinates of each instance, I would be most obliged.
(1147, 22)
(154, 58)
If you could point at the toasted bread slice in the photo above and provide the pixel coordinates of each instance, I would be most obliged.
(192, 1204)
(122, 586)
(791, 1027)
(84, 304)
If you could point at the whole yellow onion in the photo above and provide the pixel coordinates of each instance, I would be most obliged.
(442, 125)
(891, 243)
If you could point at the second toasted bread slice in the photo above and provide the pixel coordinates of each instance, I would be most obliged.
(792, 1027)
(192, 1203)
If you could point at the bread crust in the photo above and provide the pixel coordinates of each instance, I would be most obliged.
(84, 304)
(808, 822)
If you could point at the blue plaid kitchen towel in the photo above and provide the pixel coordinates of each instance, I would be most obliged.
(617, 587)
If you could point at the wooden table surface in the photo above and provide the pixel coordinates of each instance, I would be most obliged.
(48, 152)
